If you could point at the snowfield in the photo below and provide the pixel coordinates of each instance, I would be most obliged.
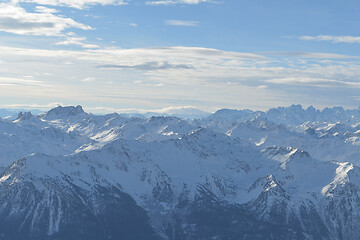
(287, 173)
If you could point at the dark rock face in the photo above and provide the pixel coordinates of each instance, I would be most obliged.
(70, 213)
(209, 218)
(62, 211)
(24, 116)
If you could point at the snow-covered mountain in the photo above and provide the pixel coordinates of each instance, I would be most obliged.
(11, 112)
(288, 173)
(181, 112)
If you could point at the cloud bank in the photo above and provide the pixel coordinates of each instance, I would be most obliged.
(15, 19)
(179, 76)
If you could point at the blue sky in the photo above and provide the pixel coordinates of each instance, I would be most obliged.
(117, 55)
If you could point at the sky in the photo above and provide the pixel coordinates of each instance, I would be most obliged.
(143, 55)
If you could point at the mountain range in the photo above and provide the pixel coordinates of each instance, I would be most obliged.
(287, 173)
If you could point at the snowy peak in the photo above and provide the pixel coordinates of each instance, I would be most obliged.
(283, 155)
(24, 116)
(60, 112)
(203, 136)
(288, 166)
(346, 174)
(262, 123)
(296, 115)
(232, 115)
(293, 115)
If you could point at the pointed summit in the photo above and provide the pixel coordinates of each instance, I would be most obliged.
(24, 116)
(296, 107)
(27, 118)
(311, 109)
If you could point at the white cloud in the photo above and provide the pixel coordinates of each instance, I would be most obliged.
(334, 39)
(8, 81)
(148, 66)
(181, 23)
(80, 4)
(88, 79)
(312, 81)
(310, 55)
(175, 110)
(42, 9)
(172, 110)
(32, 106)
(15, 19)
(77, 41)
(163, 76)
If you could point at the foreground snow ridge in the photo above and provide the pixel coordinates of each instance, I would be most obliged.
(287, 173)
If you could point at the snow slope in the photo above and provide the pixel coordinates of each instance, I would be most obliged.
(288, 173)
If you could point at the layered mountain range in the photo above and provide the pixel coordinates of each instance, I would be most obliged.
(287, 173)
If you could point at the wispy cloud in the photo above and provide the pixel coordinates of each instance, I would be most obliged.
(80, 4)
(15, 19)
(76, 41)
(7, 81)
(312, 81)
(149, 66)
(310, 55)
(333, 39)
(201, 76)
(182, 23)
(32, 106)
(42, 9)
